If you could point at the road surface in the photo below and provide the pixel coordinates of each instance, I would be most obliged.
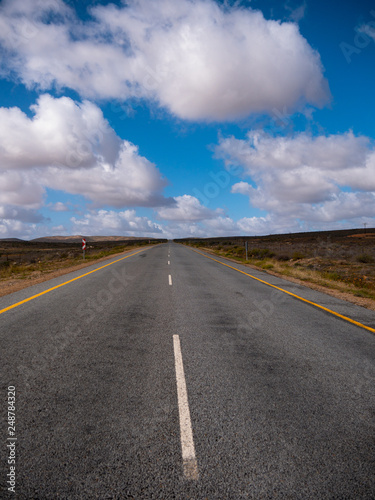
(168, 374)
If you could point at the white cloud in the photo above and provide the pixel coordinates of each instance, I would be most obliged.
(10, 228)
(226, 226)
(69, 146)
(303, 177)
(20, 189)
(187, 216)
(193, 57)
(297, 13)
(112, 223)
(59, 207)
(60, 132)
(344, 206)
(131, 181)
(186, 208)
(23, 226)
(13, 213)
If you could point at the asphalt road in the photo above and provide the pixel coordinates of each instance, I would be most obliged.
(281, 394)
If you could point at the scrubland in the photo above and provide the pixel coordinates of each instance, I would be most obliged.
(342, 261)
(23, 263)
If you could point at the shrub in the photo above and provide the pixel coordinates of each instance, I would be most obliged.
(267, 266)
(298, 255)
(364, 294)
(266, 253)
(283, 257)
(260, 253)
(333, 275)
(365, 258)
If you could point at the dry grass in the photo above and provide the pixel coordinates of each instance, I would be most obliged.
(336, 261)
(349, 282)
(24, 263)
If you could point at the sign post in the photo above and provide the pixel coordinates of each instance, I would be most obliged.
(83, 247)
(246, 248)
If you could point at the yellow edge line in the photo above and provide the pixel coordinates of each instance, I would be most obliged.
(66, 282)
(293, 295)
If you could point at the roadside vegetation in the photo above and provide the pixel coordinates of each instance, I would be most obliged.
(337, 260)
(22, 260)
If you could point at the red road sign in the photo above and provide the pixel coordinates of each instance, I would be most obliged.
(83, 244)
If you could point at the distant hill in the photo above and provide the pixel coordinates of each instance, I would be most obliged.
(78, 239)
(312, 236)
(10, 239)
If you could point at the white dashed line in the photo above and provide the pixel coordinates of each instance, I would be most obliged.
(187, 443)
(169, 263)
(170, 279)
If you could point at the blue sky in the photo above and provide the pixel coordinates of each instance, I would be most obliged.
(178, 118)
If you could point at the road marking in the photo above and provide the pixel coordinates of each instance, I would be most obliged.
(361, 325)
(170, 279)
(189, 460)
(169, 263)
(66, 282)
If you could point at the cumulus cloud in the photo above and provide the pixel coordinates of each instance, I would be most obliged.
(25, 227)
(297, 13)
(59, 207)
(10, 228)
(110, 222)
(187, 208)
(69, 146)
(60, 132)
(12, 213)
(197, 59)
(323, 178)
(20, 189)
(226, 226)
(131, 181)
